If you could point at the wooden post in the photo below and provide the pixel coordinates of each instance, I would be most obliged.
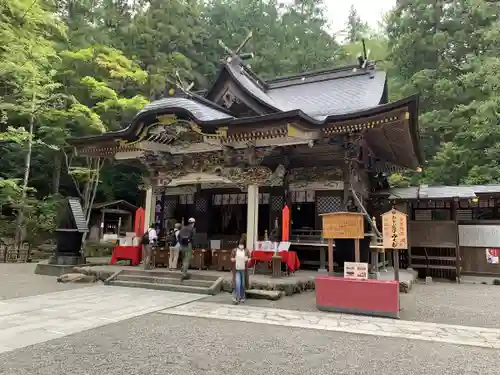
(322, 260)
(457, 241)
(395, 258)
(276, 266)
(356, 251)
(330, 256)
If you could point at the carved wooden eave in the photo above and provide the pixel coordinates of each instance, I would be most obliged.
(241, 177)
(390, 132)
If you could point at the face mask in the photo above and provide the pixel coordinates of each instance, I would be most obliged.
(240, 246)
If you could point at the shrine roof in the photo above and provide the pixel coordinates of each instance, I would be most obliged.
(317, 94)
(198, 108)
(439, 192)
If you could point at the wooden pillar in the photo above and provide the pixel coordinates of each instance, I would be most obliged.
(252, 216)
(346, 173)
(148, 208)
(201, 211)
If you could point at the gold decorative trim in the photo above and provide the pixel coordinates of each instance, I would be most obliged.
(219, 132)
(141, 134)
(350, 128)
(250, 136)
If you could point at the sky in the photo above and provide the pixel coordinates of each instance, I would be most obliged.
(370, 11)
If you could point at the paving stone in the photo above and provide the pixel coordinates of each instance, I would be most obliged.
(36, 319)
(472, 336)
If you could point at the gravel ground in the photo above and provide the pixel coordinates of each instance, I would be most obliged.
(19, 280)
(451, 303)
(448, 303)
(162, 344)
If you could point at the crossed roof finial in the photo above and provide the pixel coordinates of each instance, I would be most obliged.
(236, 53)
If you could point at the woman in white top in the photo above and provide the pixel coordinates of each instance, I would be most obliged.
(240, 257)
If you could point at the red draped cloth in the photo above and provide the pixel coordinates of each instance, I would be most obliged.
(134, 253)
(290, 258)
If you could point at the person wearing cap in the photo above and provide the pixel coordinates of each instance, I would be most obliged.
(186, 236)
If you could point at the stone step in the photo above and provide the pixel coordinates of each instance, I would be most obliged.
(153, 279)
(168, 274)
(167, 287)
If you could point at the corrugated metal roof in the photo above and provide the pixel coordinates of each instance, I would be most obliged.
(333, 94)
(332, 97)
(440, 192)
(200, 111)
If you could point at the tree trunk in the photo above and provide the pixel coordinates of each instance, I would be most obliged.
(27, 167)
(91, 191)
(56, 172)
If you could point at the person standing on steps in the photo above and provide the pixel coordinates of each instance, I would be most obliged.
(173, 243)
(186, 236)
(239, 257)
(148, 239)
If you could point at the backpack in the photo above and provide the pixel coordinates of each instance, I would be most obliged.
(145, 238)
(172, 238)
(185, 235)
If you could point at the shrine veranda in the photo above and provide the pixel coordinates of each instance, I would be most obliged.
(234, 156)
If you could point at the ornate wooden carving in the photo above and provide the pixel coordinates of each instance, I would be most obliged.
(304, 175)
(163, 167)
(253, 175)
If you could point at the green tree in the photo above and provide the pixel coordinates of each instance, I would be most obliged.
(448, 52)
(356, 29)
(287, 39)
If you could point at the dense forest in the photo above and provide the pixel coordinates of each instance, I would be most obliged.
(80, 67)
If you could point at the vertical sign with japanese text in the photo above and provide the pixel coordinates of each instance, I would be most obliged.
(394, 230)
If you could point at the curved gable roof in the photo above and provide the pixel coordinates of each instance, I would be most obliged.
(317, 94)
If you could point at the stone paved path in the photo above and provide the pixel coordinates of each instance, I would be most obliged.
(461, 335)
(36, 319)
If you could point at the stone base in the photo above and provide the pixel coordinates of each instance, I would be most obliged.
(52, 269)
(58, 265)
(67, 259)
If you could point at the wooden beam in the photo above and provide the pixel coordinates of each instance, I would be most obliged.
(115, 211)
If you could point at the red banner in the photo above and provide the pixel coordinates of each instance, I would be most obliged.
(139, 222)
(285, 219)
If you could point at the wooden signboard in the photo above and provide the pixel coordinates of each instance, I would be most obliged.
(394, 230)
(343, 225)
(479, 235)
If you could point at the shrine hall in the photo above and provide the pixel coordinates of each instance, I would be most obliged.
(234, 155)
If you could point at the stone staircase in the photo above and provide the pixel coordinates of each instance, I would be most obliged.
(166, 280)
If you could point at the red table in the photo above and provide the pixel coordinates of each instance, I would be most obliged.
(290, 258)
(134, 253)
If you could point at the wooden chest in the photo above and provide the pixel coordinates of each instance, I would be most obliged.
(201, 259)
(221, 260)
(160, 256)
